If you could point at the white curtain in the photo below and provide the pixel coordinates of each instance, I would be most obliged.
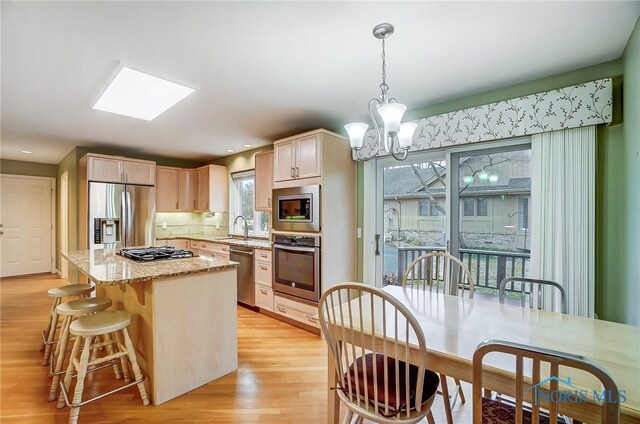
(563, 215)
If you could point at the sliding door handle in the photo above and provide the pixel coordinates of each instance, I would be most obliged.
(377, 244)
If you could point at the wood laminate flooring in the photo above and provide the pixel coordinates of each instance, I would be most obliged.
(281, 376)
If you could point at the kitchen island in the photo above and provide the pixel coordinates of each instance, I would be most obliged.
(184, 322)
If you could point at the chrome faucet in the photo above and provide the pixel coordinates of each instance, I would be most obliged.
(246, 225)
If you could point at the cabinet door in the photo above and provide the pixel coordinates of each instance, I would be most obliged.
(167, 189)
(187, 189)
(139, 172)
(218, 188)
(308, 157)
(264, 181)
(284, 160)
(105, 170)
(203, 189)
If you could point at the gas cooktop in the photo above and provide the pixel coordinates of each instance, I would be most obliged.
(156, 253)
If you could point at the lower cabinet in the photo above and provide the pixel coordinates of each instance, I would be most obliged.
(296, 310)
(210, 250)
(264, 297)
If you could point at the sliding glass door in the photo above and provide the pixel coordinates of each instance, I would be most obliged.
(412, 212)
(471, 203)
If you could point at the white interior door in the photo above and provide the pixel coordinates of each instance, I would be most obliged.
(26, 219)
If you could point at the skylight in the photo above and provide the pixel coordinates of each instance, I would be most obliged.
(138, 95)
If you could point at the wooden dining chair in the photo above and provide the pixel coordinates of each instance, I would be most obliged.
(443, 273)
(488, 411)
(378, 376)
(536, 286)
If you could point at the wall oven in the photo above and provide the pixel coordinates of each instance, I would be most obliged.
(297, 208)
(296, 261)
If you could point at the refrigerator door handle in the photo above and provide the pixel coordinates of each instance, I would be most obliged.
(123, 224)
(129, 222)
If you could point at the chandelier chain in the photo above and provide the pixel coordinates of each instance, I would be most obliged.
(384, 87)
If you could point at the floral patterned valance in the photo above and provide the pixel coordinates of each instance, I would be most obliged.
(590, 103)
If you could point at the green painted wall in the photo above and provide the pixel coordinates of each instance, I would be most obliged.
(35, 169)
(242, 161)
(615, 231)
(622, 286)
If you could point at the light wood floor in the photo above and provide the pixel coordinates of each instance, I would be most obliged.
(281, 376)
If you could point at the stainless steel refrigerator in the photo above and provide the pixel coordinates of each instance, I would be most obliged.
(121, 215)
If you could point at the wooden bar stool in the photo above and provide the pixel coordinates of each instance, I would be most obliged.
(86, 328)
(70, 310)
(48, 334)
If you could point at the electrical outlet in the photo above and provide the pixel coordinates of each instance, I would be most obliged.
(164, 225)
(217, 225)
(359, 232)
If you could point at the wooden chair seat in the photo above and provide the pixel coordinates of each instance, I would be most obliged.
(496, 412)
(71, 290)
(84, 306)
(401, 402)
(100, 323)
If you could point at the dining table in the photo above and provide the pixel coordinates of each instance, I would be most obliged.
(455, 325)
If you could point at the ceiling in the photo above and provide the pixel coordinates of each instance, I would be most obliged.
(265, 70)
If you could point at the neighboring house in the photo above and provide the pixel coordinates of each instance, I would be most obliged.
(492, 187)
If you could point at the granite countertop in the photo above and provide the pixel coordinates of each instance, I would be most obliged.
(264, 244)
(105, 267)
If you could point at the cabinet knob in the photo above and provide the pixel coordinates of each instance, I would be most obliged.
(282, 308)
(312, 318)
(292, 174)
(263, 291)
(269, 201)
(264, 268)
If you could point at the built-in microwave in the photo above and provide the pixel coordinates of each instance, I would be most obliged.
(297, 208)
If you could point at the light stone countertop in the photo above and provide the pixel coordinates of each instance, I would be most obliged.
(263, 244)
(106, 267)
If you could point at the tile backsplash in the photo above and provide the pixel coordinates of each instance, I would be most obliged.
(185, 223)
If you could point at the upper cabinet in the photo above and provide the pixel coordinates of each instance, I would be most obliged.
(167, 189)
(297, 158)
(111, 169)
(264, 181)
(139, 172)
(187, 189)
(213, 189)
(176, 189)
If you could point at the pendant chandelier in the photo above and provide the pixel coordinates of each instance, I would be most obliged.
(388, 110)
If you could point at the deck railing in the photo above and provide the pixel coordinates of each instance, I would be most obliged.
(488, 267)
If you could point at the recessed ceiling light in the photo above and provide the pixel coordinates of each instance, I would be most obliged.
(28, 152)
(138, 95)
(230, 150)
(248, 145)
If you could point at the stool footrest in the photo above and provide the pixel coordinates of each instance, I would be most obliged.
(65, 394)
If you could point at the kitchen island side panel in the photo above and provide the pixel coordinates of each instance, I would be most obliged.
(195, 321)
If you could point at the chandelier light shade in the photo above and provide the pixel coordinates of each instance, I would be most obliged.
(387, 110)
(356, 131)
(405, 135)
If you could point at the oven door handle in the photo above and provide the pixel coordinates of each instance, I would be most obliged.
(295, 248)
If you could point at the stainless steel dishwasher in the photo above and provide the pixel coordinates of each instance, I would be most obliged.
(244, 255)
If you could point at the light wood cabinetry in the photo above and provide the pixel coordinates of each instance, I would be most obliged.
(187, 189)
(308, 157)
(263, 181)
(264, 297)
(297, 159)
(263, 278)
(210, 250)
(297, 311)
(177, 243)
(167, 189)
(111, 169)
(283, 160)
(213, 189)
(104, 169)
(139, 172)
